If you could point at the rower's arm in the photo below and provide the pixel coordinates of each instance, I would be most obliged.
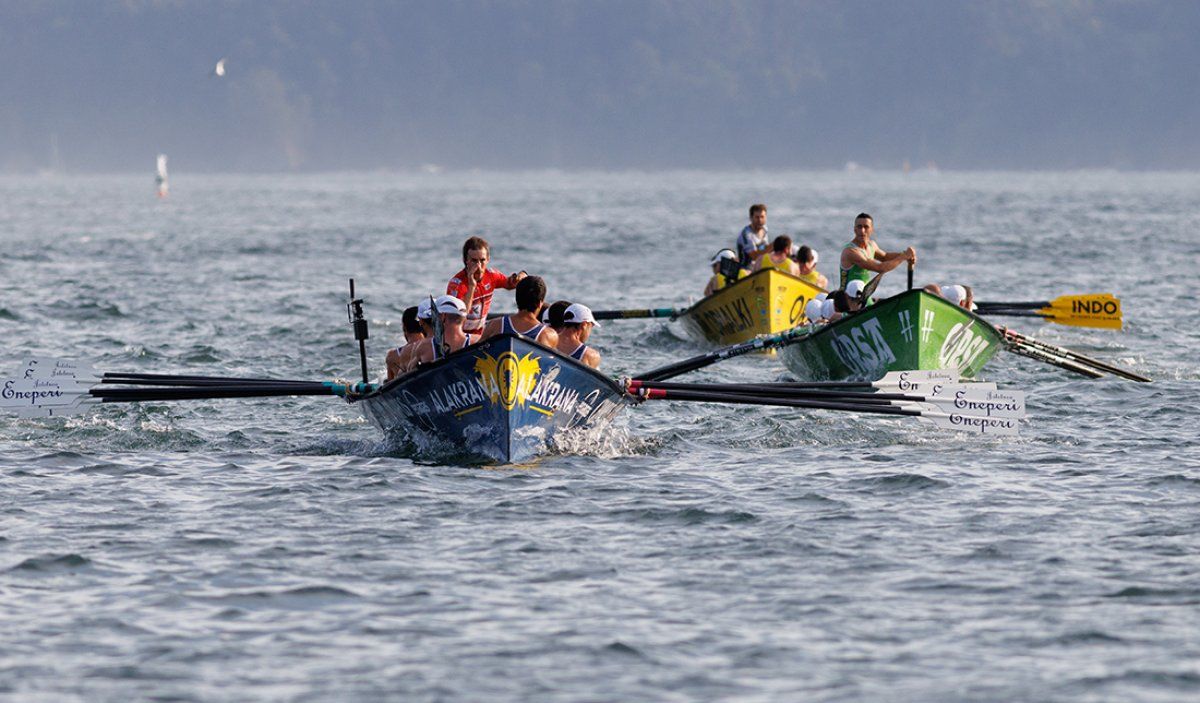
(854, 257)
(491, 329)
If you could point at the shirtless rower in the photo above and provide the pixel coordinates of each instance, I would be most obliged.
(752, 242)
(862, 256)
(414, 332)
(453, 313)
(531, 298)
(578, 322)
(475, 283)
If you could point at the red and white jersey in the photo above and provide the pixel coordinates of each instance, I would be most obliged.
(477, 315)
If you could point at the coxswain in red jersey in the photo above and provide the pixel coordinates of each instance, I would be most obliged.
(475, 284)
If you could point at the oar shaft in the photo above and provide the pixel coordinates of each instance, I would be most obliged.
(634, 314)
(1074, 356)
(773, 391)
(742, 399)
(127, 395)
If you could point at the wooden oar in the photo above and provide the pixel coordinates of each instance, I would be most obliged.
(626, 314)
(50, 397)
(698, 362)
(963, 421)
(1020, 341)
(54, 369)
(951, 397)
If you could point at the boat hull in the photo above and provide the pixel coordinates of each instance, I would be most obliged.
(502, 400)
(767, 302)
(913, 330)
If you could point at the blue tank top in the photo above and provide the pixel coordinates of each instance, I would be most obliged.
(506, 327)
(580, 350)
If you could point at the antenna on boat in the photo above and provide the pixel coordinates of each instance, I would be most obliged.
(354, 311)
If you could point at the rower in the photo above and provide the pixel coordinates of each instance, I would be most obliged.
(475, 283)
(806, 258)
(578, 322)
(531, 297)
(779, 257)
(453, 313)
(725, 271)
(425, 318)
(553, 315)
(962, 296)
(862, 255)
(752, 242)
(413, 333)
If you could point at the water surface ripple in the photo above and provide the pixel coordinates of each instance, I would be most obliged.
(280, 549)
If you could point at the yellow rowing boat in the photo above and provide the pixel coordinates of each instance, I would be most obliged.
(767, 302)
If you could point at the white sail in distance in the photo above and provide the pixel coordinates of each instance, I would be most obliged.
(160, 177)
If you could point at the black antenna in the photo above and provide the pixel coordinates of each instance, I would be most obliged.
(354, 311)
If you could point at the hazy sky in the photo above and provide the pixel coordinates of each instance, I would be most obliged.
(651, 84)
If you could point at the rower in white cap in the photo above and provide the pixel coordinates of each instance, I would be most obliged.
(453, 313)
(578, 322)
(723, 263)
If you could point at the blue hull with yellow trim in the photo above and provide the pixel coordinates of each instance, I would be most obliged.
(502, 400)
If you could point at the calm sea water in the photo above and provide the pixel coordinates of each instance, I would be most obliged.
(281, 549)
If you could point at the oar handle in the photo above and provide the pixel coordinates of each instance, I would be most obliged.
(910, 275)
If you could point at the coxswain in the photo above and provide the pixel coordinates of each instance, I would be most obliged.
(413, 333)
(531, 298)
(475, 283)
(719, 278)
(862, 256)
(806, 259)
(578, 322)
(779, 257)
(752, 242)
(453, 313)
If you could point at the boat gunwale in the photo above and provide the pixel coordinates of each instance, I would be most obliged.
(433, 366)
(828, 326)
(692, 308)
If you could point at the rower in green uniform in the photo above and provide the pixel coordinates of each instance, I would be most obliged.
(863, 256)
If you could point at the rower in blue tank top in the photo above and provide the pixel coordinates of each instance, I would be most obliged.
(578, 322)
(531, 296)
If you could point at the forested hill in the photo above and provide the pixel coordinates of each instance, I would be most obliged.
(604, 84)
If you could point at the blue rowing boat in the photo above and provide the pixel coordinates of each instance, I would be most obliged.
(503, 400)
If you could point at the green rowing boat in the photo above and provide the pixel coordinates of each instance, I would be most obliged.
(912, 330)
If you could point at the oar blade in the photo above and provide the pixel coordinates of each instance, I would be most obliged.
(975, 424)
(46, 367)
(16, 394)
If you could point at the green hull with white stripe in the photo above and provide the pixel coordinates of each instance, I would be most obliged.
(913, 330)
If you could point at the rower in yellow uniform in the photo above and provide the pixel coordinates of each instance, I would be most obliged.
(779, 257)
(806, 258)
(723, 263)
(862, 256)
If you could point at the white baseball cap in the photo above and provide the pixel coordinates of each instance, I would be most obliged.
(577, 313)
(813, 310)
(424, 310)
(450, 305)
(820, 296)
(854, 288)
(827, 308)
(954, 294)
(723, 254)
